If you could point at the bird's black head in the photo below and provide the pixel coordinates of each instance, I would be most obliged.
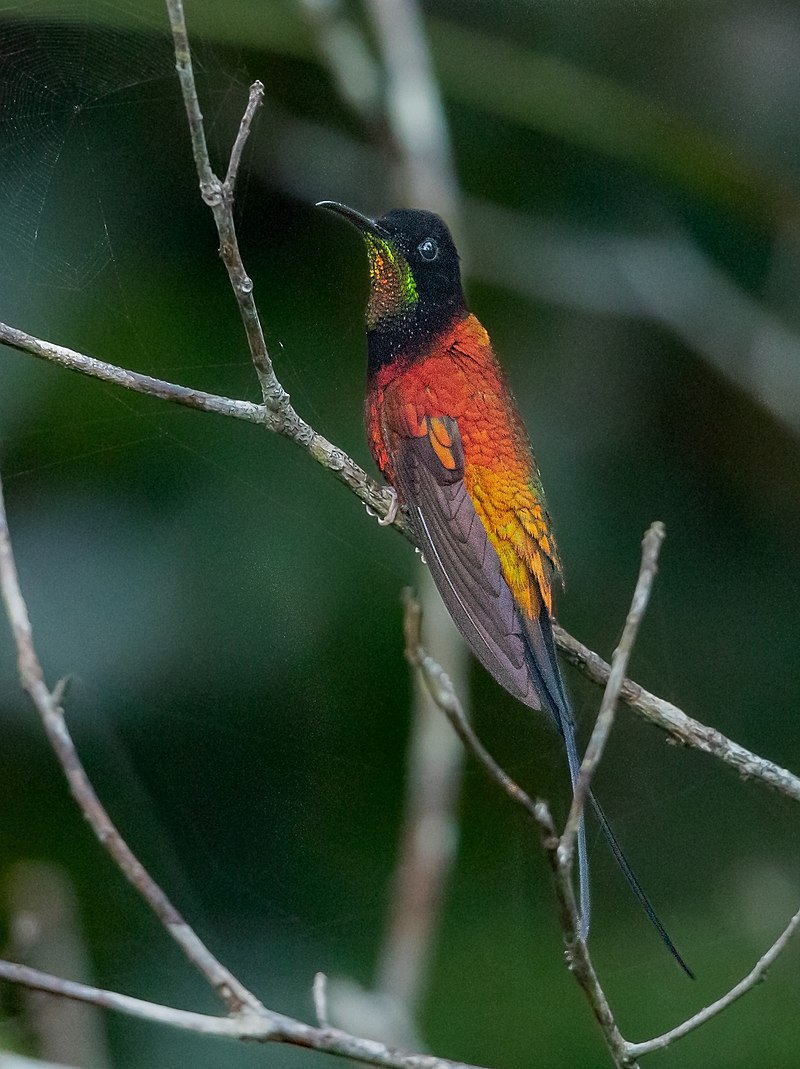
(430, 252)
(415, 279)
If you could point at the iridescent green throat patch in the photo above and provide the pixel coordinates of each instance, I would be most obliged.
(392, 287)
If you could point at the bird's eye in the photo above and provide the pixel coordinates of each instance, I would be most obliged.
(428, 249)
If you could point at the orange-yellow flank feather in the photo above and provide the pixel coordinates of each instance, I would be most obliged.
(462, 380)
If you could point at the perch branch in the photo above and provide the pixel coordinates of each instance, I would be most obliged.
(335, 460)
(254, 102)
(681, 728)
(247, 1025)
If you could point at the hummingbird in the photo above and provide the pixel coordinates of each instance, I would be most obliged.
(448, 437)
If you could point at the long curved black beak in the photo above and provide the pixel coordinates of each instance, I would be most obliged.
(362, 223)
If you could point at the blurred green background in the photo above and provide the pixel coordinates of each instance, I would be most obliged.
(230, 617)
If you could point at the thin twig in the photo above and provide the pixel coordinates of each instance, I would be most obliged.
(206, 1024)
(651, 546)
(219, 198)
(579, 960)
(254, 102)
(209, 184)
(249, 1026)
(234, 994)
(755, 976)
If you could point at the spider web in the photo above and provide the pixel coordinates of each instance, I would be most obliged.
(93, 154)
(62, 76)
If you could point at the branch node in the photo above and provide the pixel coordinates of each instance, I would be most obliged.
(211, 191)
(59, 690)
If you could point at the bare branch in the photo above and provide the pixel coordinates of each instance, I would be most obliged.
(755, 976)
(262, 1027)
(681, 728)
(651, 546)
(133, 380)
(35, 980)
(227, 986)
(578, 958)
(335, 460)
(183, 65)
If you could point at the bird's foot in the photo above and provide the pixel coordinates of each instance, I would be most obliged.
(391, 515)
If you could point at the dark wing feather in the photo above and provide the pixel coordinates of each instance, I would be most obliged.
(463, 562)
(519, 652)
